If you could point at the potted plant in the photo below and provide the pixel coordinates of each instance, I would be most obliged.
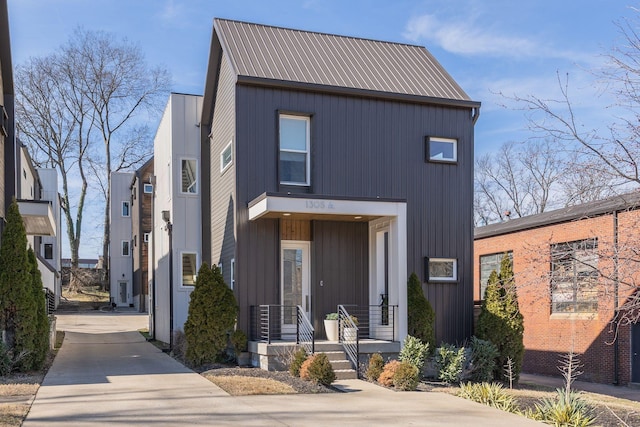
(351, 333)
(331, 326)
(239, 342)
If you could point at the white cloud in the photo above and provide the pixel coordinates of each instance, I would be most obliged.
(171, 11)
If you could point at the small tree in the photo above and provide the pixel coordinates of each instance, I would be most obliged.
(212, 313)
(500, 320)
(17, 317)
(420, 314)
(41, 337)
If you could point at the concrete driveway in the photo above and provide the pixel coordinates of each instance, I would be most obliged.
(107, 374)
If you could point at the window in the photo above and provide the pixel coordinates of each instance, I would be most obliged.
(294, 150)
(125, 248)
(233, 273)
(442, 269)
(189, 269)
(574, 277)
(125, 209)
(226, 157)
(189, 176)
(145, 237)
(489, 263)
(4, 121)
(148, 188)
(48, 251)
(442, 150)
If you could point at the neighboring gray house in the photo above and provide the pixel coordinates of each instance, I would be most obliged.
(332, 168)
(121, 240)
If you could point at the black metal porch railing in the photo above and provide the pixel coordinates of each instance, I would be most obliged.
(375, 321)
(270, 322)
(348, 336)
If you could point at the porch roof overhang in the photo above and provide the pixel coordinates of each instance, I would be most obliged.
(307, 206)
(38, 218)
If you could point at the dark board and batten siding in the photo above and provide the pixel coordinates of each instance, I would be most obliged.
(364, 148)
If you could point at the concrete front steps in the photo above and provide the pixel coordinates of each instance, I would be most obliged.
(338, 359)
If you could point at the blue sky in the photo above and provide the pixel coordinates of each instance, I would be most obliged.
(488, 46)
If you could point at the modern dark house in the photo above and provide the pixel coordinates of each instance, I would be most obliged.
(8, 148)
(141, 227)
(332, 168)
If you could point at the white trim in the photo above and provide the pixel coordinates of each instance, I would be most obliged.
(232, 280)
(307, 150)
(224, 167)
(147, 185)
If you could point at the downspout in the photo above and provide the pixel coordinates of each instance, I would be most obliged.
(616, 321)
(475, 114)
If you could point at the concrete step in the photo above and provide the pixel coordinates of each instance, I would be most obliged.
(335, 355)
(346, 374)
(338, 365)
(326, 346)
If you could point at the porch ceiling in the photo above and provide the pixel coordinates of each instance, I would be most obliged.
(38, 218)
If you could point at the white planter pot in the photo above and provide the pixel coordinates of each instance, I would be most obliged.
(350, 334)
(331, 329)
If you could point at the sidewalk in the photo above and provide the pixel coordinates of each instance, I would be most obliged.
(107, 374)
(621, 392)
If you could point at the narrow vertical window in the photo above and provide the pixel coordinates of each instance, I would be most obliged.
(125, 209)
(232, 280)
(48, 251)
(226, 157)
(294, 150)
(125, 248)
(189, 269)
(189, 176)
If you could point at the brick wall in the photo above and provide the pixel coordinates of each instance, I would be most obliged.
(548, 335)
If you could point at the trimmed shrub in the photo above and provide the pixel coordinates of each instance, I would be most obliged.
(420, 314)
(40, 348)
(450, 363)
(376, 365)
(299, 358)
(491, 394)
(18, 316)
(566, 409)
(414, 352)
(386, 377)
(321, 371)
(483, 359)
(212, 314)
(406, 377)
(500, 320)
(239, 341)
(6, 365)
(304, 368)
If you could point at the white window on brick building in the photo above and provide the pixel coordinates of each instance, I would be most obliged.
(574, 276)
(489, 263)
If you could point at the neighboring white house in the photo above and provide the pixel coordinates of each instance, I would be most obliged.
(120, 244)
(39, 204)
(177, 225)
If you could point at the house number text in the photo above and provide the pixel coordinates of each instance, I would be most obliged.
(318, 204)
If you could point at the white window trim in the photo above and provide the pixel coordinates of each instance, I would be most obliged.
(224, 167)
(197, 266)
(145, 185)
(145, 237)
(307, 119)
(197, 182)
(453, 278)
(122, 242)
(452, 141)
(232, 280)
(128, 204)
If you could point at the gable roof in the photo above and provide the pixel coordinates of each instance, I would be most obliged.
(621, 202)
(281, 57)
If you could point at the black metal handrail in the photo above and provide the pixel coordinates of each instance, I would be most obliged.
(305, 332)
(50, 299)
(348, 336)
(375, 321)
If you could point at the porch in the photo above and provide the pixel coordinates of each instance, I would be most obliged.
(277, 331)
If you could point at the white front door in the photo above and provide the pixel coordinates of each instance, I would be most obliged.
(124, 293)
(295, 273)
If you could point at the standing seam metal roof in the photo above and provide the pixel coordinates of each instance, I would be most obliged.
(289, 55)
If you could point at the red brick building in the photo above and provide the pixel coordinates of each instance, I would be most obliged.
(575, 268)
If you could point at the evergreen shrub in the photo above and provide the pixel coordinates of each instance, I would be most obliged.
(420, 314)
(414, 352)
(386, 377)
(376, 365)
(406, 377)
(299, 358)
(450, 362)
(483, 359)
(321, 371)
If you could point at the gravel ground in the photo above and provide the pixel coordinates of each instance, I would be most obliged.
(301, 386)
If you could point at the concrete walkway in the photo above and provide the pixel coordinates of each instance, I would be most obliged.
(107, 374)
(604, 389)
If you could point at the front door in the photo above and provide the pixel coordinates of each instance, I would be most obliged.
(635, 353)
(295, 282)
(123, 293)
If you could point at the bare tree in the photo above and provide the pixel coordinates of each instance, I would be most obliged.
(107, 93)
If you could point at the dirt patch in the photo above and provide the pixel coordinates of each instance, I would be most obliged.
(237, 385)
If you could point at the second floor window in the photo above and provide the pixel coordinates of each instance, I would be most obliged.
(189, 176)
(574, 277)
(48, 251)
(125, 248)
(125, 209)
(294, 150)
